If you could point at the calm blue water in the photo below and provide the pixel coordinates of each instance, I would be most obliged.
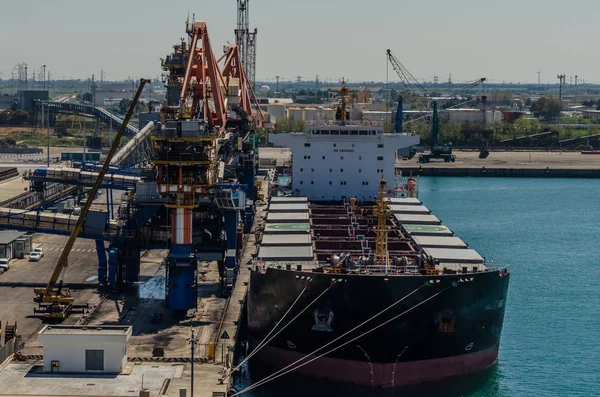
(548, 231)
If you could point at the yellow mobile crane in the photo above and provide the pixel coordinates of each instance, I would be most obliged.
(56, 302)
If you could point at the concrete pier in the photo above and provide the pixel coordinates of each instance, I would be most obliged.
(509, 164)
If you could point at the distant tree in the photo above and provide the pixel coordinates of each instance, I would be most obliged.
(547, 108)
(19, 117)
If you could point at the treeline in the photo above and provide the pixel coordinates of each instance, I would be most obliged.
(14, 117)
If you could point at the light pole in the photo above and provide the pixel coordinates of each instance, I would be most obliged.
(44, 66)
(48, 126)
(192, 342)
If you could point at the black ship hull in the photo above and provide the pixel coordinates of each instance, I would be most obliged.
(454, 333)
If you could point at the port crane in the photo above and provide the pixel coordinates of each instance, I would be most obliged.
(438, 150)
(56, 301)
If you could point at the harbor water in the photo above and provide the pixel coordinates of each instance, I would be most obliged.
(548, 231)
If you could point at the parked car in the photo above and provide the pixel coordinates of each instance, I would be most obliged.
(39, 250)
(4, 264)
(34, 256)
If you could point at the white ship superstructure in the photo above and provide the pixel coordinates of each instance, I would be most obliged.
(332, 162)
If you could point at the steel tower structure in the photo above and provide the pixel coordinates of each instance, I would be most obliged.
(246, 40)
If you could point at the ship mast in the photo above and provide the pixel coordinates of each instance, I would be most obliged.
(382, 213)
(344, 95)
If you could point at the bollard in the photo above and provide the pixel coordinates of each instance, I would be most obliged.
(211, 351)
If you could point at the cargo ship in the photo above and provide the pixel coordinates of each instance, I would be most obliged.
(356, 281)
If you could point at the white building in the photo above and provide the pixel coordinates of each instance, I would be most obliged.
(85, 349)
(336, 162)
(486, 117)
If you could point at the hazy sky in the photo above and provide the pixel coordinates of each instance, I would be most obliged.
(505, 40)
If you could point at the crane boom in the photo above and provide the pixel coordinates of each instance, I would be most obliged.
(49, 294)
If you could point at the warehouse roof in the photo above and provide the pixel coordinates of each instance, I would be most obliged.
(86, 330)
(8, 236)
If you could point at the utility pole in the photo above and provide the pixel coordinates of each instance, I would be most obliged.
(561, 78)
(539, 73)
(192, 342)
(277, 86)
(44, 66)
(48, 148)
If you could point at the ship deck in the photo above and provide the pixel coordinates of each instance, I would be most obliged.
(301, 235)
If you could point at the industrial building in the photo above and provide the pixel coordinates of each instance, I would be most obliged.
(14, 244)
(80, 349)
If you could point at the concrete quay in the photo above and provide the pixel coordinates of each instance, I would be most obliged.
(509, 164)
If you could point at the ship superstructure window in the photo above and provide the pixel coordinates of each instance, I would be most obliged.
(341, 170)
(312, 182)
(360, 157)
(312, 170)
(323, 157)
(343, 183)
(379, 157)
(335, 145)
(365, 183)
(379, 145)
(307, 145)
(306, 157)
(359, 170)
(301, 169)
(330, 170)
(331, 183)
(341, 157)
(302, 182)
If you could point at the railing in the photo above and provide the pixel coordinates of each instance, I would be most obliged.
(7, 350)
(176, 157)
(326, 123)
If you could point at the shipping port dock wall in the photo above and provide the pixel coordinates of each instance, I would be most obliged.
(525, 164)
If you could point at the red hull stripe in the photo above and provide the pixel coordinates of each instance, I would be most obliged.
(384, 375)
